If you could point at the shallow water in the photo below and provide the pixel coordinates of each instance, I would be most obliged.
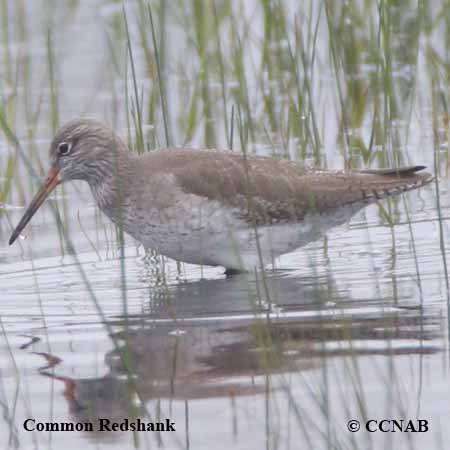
(354, 326)
(234, 362)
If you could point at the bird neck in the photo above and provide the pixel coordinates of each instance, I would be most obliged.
(111, 185)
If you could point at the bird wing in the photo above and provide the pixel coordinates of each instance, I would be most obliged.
(268, 190)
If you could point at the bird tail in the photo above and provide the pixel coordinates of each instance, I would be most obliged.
(382, 183)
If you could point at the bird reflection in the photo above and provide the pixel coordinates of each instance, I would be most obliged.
(202, 340)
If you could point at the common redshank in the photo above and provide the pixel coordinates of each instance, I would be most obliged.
(217, 208)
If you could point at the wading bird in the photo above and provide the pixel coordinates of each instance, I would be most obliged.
(212, 207)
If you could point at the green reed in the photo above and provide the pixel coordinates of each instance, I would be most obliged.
(137, 104)
(162, 89)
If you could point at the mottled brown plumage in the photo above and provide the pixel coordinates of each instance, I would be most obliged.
(277, 190)
(206, 206)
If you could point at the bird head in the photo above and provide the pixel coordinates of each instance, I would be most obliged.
(81, 150)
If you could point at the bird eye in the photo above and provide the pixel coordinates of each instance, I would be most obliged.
(64, 148)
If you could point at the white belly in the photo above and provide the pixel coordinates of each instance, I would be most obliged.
(214, 236)
(201, 231)
(244, 249)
